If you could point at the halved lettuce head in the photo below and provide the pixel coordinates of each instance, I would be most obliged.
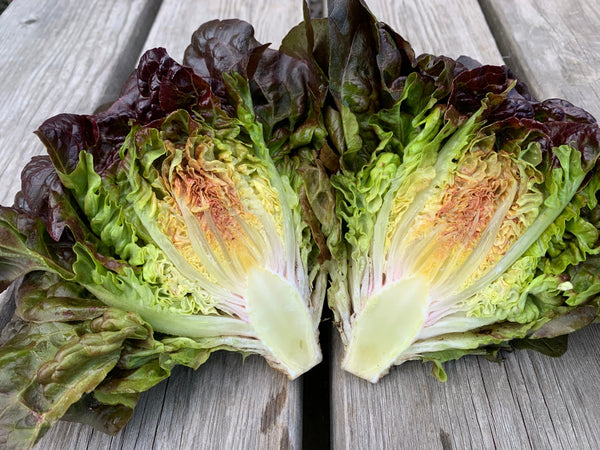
(205, 237)
(467, 207)
(159, 231)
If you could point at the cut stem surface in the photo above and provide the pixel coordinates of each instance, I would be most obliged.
(282, 321)
(388, 324)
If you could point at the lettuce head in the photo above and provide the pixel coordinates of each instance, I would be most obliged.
(159, 231)
(467, 209)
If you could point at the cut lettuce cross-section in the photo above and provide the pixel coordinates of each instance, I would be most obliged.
(467, 208)
(161, 230)
(453, 252)
(205, 230)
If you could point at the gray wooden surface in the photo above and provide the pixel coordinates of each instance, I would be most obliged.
(67, 55)
(529, 400)
(554, 45)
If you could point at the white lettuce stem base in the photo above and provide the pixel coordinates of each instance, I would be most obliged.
(283, 322)
(389, 323)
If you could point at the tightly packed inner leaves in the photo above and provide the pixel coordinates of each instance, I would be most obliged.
(442, 209)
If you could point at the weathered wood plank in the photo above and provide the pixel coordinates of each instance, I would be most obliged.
(59, 56)
(557, 399)
(271, 20)
(245, 405)
(450, 28)
(227, 403)
(529, 400)
(553, 45)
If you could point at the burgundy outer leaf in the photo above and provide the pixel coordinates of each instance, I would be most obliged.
(165, 86)
(583, 136)
(395, 59)
(555, 109)
(347, 20)
(470, 87)
(551, 123)
(65, 136)
(158, 87)
(286, 90)
(40, 193)
(281, 88)
(440, 71)
(219, 47)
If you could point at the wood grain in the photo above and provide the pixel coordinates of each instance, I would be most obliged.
(61, 56)
(553, 45)
(177, 20)
(441, 27)
(527, 401)
(227, 403)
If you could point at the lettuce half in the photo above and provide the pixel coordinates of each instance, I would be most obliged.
(467, 208)
(161, 230)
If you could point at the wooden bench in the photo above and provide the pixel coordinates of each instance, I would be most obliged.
(68, 55)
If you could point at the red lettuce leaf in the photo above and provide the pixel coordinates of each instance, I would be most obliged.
(287, 92)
